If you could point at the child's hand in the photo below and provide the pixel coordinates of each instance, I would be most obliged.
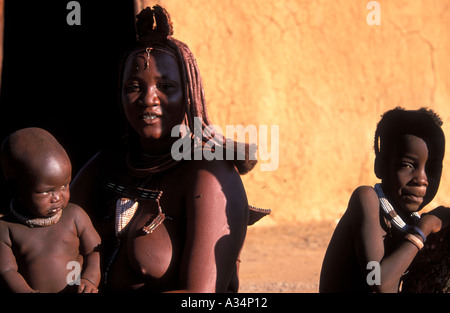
(86, 286)
(435, 220)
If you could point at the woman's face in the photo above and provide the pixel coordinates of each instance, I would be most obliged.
(152, 98)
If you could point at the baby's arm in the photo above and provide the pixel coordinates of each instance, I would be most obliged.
(8, 265)
(89, 248)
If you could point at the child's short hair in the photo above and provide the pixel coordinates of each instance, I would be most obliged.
(423, 123)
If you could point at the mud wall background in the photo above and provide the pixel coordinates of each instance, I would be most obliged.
(318, 71)
(324, 75)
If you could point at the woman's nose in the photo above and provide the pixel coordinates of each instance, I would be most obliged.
(150, 98)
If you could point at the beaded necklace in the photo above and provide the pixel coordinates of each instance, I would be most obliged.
(35, 222)
(391, 214)
(127, 205)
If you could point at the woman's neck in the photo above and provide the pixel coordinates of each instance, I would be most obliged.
(156, 148)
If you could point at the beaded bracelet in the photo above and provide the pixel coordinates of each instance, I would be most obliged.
(415, 241)
(89, 281)
(420, 232)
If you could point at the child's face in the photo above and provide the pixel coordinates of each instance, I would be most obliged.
(47, 191)
(406, 180)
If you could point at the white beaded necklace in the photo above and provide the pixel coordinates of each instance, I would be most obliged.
(390, 213)
(35, 222)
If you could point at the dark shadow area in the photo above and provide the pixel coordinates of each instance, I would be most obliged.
(64, 78)
(223, 256)
(430, 270)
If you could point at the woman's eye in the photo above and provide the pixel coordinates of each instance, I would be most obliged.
(132, 87)
(166, 86)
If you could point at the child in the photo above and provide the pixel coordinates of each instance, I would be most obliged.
(380, 233)
(44, 237)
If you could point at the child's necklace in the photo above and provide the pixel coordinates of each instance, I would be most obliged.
(35, 222)
(390, 213)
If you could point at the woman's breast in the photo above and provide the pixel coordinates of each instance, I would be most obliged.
(150, 255)
(149, 260)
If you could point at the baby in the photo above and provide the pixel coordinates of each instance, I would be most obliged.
(380, 233)
(46, 243)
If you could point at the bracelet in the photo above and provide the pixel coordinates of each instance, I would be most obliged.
(417, 230)
(89, 281)
(415, 241)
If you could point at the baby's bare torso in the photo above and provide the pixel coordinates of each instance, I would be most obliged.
(43, 253)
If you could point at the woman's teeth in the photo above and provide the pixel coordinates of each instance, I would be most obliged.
(149, 117)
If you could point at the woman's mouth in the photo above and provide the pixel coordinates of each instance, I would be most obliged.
(149, 118)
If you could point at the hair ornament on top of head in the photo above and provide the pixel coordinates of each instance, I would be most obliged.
(153, 24)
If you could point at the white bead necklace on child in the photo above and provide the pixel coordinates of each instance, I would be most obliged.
(390, 213)
(35, 222)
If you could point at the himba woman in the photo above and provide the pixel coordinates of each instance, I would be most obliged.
(166, 225)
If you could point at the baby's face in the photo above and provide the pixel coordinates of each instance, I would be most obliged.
(407, 181)
(47, 190)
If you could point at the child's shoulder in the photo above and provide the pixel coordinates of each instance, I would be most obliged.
(73, 208)
(365, 192)
(364, 200)
(6, 219)
(5, 224)
(74, 211)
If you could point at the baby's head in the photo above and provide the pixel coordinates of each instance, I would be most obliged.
(38, 171)
(409, 150)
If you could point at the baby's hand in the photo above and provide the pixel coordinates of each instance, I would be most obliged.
(86, 286)
(436, 219)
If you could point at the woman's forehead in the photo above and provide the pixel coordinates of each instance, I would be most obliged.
(162, 62)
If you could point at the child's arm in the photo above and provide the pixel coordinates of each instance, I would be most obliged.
(89, 248)
(369, 240)
(435, 220)
(8, 265)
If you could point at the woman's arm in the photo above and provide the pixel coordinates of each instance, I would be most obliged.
(217, 214)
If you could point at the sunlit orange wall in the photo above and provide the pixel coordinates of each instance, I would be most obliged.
(320, 72)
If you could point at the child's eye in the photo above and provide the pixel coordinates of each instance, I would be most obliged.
(43, 193)
(406, 165)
